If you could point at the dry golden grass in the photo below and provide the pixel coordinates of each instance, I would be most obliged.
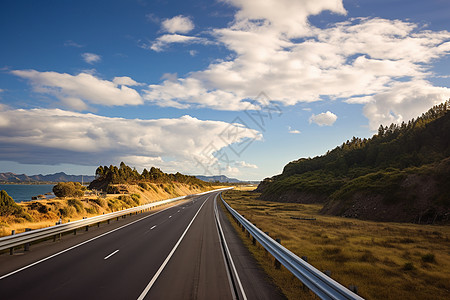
(89, 206)
(384, 260)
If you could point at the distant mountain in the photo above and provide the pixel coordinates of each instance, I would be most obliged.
(222, 178)
(401, 174)
(57, 177)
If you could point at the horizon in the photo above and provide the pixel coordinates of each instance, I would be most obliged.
(231, 87)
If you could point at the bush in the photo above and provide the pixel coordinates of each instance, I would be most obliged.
(69, 189)
(41, 208)
(8, 206)
(100, 202)
(77, 204)
(429, 258)
(408, 266)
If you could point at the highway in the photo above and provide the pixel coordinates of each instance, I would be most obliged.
(175, 253)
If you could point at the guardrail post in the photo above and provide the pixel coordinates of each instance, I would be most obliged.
(253, 241)
(87, 227)
(75, 231)
(305, 258)
(108, 221)
(11, 250)
(277, 263)
(98, 224)
(27, 245)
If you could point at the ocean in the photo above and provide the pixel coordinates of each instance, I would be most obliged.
(24, 192)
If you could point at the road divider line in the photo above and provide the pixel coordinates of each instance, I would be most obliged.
(111, 254)
(161, 268)
(152, 227)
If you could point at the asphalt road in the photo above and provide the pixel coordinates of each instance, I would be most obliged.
(172, 254)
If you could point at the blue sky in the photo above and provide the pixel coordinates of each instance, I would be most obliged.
(232, 87)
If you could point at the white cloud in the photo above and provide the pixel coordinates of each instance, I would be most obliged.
(70, 43)
(91, 58)
(293, 131)
(244, 164)
(402, 102)
(323, 119)
(163, 41)
(275, 50)
(289, 17)
(53, 136)
(125, 80)
(79, 90)
(178, 24)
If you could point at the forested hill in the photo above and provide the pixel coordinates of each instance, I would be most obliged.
(106, 177)
(406, 166)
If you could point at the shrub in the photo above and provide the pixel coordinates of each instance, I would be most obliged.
(8, 206)
(77, 204)
(69, 189)
(100, 202)
(429, 258)
(408, 266)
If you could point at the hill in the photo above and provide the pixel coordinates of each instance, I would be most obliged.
(400, 174)
(107, 178)
(223, 179)
(57, 177)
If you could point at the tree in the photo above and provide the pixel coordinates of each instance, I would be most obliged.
(69, 189)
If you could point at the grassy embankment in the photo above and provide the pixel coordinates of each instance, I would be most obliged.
(44, 213)
(384, 260)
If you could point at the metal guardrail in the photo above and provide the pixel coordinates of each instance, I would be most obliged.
(322, 285)
(11, 241)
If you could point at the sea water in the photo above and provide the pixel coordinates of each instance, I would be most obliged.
(24, 192)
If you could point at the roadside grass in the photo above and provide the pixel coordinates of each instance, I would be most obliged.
(384, 260)
(46, 212)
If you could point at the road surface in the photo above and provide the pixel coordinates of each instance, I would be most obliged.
(175, 253)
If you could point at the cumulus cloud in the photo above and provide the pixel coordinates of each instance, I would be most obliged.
(78, 91)
(323, 119)
(402, 102)
(178, 24)
(275, 49)
(53, 136)
(165, 40)
(91, 58)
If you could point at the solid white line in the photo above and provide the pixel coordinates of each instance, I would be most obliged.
(228, 250)
(111, 254)
(80, 244)
(161, 268)
(152, 227)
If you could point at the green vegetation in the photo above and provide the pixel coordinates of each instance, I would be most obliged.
(9, 208)
(69, 189)
(107, 176)
(394, 166)
(384, 260)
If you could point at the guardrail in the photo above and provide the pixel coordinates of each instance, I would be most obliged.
(24, 238)
(318, 282)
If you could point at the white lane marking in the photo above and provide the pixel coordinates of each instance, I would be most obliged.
(80, 244)
(219, 227)
(152, 227)
(178, 211)
(111, 254)
(170, 217)
(161, 268)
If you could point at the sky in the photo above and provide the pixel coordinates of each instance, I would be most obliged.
(220, 87)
